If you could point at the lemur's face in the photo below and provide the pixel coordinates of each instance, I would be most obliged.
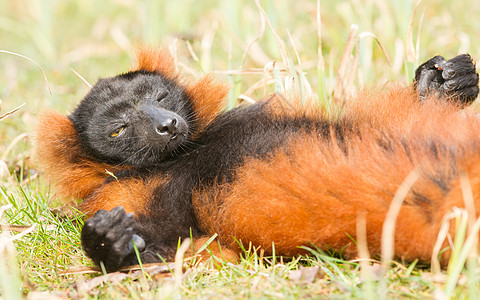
(137, 118)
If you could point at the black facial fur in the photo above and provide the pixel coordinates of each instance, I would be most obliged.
(137, 118)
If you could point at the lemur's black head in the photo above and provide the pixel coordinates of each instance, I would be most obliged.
(137, 118)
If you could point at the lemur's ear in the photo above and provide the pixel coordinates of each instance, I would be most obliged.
(156, 60)
(208, 99)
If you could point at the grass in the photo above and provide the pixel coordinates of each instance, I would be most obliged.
(238, 41)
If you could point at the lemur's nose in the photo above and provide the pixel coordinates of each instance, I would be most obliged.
(168, 126)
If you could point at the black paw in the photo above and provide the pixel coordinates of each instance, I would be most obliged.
(454, 79)
(107, 237)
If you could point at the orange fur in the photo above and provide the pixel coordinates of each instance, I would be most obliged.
(213, 249)
(133, 194)
(59, 157)
(397, 109)
(314, 194)
(207, 98)
(157, 60)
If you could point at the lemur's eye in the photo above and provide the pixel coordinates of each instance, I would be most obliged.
(162, 95)
(117, 132)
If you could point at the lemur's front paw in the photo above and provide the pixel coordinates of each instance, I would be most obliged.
(108, 237)
(454, 79)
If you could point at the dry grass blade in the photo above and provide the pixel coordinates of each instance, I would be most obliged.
(321, 77)
(12, 144)
(320, 60)
(34, 62)
(149, 268)
(179, 257)
(388, 230)
(362, 244)
(281, 43)
(305, 274)
(252, 71)
(5, 115)
(261, 84)
(256, 39)
(246, 98)
(192, 52)
(81, 78)
(419, 30)
(370, 34)
(16, 228)
(4, 208)
(412, 52)
(442, 235)
(468, 199)
(297, 55)
(206, 46)
(92, 283)
(7, 238)
(339, 89)
(80, 270)
(298, 74)
(456, 270)
(350, 77)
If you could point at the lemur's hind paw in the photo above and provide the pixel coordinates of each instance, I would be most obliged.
(454, 79)
(107, 237)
